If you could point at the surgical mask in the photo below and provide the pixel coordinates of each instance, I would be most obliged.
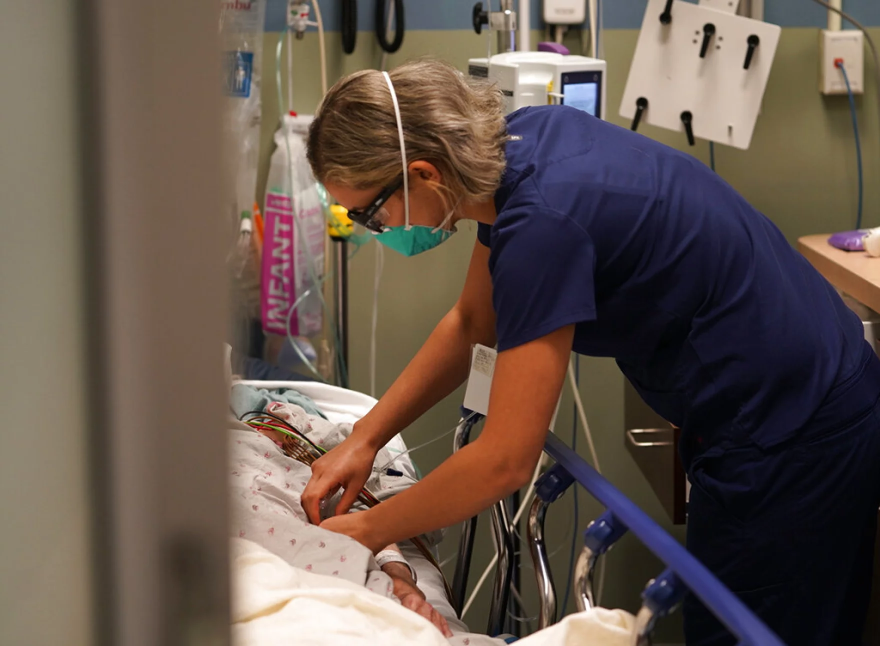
(409, 239)
(415, 239)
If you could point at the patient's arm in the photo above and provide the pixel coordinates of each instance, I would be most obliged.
(409, 594)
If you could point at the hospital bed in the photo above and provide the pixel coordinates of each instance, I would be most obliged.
(661, 595)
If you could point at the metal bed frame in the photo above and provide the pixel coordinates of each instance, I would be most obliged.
(661, 595)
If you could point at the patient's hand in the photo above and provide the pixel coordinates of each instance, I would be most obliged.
(411, 597)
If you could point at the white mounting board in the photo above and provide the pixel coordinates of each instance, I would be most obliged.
(727, 6)
(667, 70)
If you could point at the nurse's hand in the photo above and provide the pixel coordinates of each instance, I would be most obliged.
(356, 526)
(348, 466)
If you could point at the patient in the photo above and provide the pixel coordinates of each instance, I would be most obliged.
(265, 489)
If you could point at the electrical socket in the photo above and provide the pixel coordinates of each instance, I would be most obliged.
(847, 46)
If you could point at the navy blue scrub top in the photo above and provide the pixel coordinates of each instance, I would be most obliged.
(722, 327)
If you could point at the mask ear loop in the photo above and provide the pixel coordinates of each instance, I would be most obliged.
(440, 227)
(402, 149)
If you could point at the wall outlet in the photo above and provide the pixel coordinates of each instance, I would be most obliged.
(848, 47)
(565, 12)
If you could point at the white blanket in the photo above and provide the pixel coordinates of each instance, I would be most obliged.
(276, 604)
(596, 627)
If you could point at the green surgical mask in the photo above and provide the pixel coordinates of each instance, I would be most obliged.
(414, 239)
(409, 239)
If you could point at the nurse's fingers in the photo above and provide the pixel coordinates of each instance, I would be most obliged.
(349, 495)
(311, 498)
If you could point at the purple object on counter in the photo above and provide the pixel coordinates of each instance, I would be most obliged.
(556, 48)
(848, 240)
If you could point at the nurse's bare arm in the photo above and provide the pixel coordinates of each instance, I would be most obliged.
(525, 389)
(441, 365)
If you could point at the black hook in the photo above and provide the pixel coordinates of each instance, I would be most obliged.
(708, 32)
(641, 106)
(479, 18)
(349, 25)
(687, 119)
(666, 16)
(395, 44)
(753, 42)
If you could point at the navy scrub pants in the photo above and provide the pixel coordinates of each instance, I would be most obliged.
(791, 529)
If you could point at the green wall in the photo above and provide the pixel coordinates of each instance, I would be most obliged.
(800, 171)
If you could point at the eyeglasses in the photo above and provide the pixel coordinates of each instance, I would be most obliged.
(373, 217)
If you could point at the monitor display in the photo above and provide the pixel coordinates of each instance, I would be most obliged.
(582, 96)
(582, 90)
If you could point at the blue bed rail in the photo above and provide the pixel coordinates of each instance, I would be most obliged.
(683, 569)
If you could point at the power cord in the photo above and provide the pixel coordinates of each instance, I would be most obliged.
(574, 537)
(852, 108)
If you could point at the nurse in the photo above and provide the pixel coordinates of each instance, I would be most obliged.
(597, 240)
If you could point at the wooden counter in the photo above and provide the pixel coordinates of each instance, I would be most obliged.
(852, 272)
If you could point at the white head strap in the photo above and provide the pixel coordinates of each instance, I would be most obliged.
(402, 148)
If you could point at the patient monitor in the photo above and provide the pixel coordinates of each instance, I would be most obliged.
(542, 78)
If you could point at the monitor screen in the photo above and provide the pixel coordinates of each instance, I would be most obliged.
(582, 96)
(582, 90)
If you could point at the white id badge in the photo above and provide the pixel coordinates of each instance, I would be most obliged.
(476, 395)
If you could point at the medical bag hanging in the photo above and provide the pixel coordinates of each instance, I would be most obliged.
(293, 244)
(241, 33)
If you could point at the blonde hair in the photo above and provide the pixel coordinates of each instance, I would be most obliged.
(452, 121)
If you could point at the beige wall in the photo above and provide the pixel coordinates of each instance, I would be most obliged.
(800, 171)
(45, 552)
